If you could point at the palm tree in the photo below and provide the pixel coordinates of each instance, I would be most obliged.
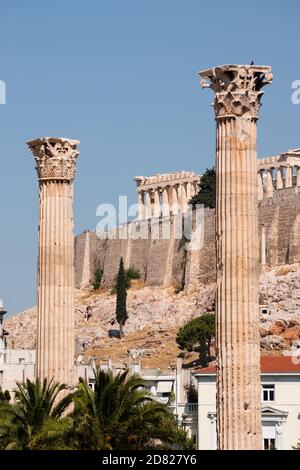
(121, 415)
(36, 414)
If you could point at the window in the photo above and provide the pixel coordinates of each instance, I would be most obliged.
(269, 444)
(91, 383)
(268, 392)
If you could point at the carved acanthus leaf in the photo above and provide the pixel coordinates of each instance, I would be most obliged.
(55, 158)
(237, 89)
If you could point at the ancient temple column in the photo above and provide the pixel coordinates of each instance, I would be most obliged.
(298, 176)
(279, 182)
(148, 205)
(188, 192)
(174, 199)
(289, 177)
(56, 166)
(156, 208)
(140, 205)
(260, 188)
(270, 187)
(183, 199)
(165, 203)
(237, 100)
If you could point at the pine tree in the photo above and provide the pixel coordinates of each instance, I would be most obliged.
(121, 311)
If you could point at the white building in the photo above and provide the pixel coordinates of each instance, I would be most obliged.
(167, 386)
(280, 394)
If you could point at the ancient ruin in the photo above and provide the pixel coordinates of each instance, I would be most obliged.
(56, 166)
(277, 173)
(162, 195)
(237, 101)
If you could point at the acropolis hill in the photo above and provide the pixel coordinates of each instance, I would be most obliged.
(177, 284)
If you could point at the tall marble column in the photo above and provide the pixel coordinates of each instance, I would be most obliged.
(279, 182)
(174, 204)
(148, 204)
(237, 101)
(289, 177)
(260, 188)
(183, 199)
(270, 187)
(298, 176)
(156, 208)
(140, 205)
(56, 166)
(165, 207)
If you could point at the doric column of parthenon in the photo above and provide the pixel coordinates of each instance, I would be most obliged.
(237, 101)
(165, 194)
(56, 166)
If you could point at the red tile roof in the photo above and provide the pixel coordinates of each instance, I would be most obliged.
(268, 364)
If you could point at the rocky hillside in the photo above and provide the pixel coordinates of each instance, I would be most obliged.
(155, 314)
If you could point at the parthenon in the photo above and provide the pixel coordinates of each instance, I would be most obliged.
(165, 194)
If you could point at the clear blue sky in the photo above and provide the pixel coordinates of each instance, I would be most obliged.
(121, 76)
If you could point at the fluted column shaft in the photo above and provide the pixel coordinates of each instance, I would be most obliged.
(174, 199)
(239, 397)
(289, 177)
(56, 335)
(183, 198)
(156, 209)
(140, 205)
(56, 166)
(298, 176)
(148, 205)
(279, 182)
(165, 203)
(237, 100)
(270, 187)
(260, 188)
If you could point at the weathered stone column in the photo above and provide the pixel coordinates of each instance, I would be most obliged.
(279, 182)
(270, 187)
(183, 200)
(156, 209)
(289, 177)
(298, 176)
(237, 101)
(140, 205)
(174, 206)
(56, 166)
(165, 207)
(260, 188)
(148, 205)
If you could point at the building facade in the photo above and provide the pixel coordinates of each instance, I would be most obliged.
(280, 404)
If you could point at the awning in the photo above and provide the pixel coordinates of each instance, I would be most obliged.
(164, 387)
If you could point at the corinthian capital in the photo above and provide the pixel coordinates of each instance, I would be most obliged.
(237, 88)
(55, 158)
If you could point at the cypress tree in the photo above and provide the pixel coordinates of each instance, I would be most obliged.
(121, 311)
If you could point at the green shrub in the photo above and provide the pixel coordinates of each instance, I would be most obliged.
(98, 278)
(133, 273)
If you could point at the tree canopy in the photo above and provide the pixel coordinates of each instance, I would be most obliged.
(207, 190)
(118, 414)
(121, 309)
(197, 335)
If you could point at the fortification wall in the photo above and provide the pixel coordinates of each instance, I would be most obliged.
(163, 262)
